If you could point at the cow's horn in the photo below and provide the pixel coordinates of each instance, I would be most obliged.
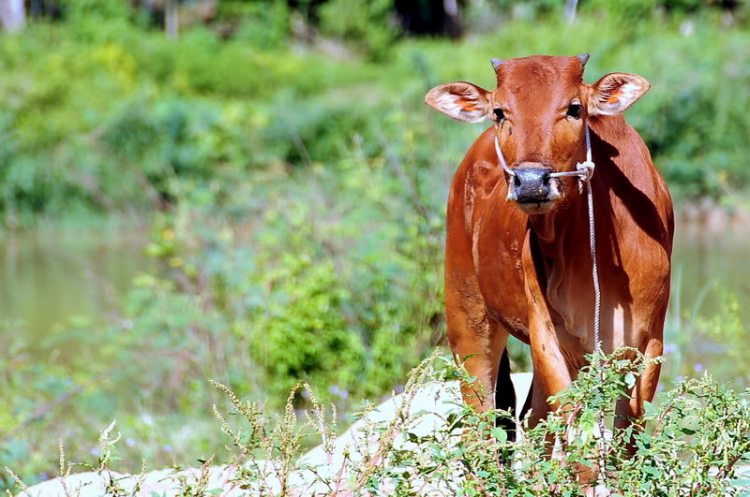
(584, 57)
(495, 63)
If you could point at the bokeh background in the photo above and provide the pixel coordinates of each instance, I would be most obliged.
(253, 191)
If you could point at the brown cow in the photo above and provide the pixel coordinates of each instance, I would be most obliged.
(517, 258)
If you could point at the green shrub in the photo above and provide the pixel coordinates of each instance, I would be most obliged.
(368, 25)
(691, 444)
(264, 25)
(92, 122)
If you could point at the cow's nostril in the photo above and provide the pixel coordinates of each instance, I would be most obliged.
(516, 180)
(546, 178)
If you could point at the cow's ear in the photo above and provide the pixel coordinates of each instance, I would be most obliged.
(462, 101)
(615, 92)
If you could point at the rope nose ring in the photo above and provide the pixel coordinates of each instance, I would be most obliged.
(584, 170)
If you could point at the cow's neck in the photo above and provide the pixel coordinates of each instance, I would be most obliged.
(553, 230)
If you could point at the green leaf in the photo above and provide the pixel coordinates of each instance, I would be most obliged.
(500, 434)
(630, 380)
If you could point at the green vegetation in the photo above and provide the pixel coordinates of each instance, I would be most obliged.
(294, 192)
(101, 115)
(466, 454)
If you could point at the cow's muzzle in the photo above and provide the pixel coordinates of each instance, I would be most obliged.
(533, 188)
(531, 185)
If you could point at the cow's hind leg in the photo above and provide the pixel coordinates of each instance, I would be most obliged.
(631, 408)
(505, 396)
(527, 403)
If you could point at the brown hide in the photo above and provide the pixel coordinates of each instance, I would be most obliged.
(511, 273)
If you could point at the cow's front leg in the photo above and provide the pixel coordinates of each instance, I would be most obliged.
(483, 342)
(551, 372)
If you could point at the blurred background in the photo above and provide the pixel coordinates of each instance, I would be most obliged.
(253, 191)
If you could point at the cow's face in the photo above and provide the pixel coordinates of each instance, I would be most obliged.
(539, 107)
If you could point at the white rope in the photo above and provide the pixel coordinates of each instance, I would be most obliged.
(500, 155)
(584, 171)
(589, 167)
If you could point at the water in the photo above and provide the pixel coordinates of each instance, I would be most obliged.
(710, 273)
(708, 258)
(48, 278)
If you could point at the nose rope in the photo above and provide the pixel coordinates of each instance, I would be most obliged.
(584, 171)
(501, 157)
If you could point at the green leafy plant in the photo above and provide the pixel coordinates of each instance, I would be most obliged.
(689, 443)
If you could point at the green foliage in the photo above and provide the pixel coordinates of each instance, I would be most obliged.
(672, 441)
(264, 25)
(629, 11)
(644, 9)
(367, 25)
(528, 9)
(315, 297)
(100, 112)
(302, 332)
(96, 10)
(689, 444)
(258, 284)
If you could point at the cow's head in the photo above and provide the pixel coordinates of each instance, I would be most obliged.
(539, 107)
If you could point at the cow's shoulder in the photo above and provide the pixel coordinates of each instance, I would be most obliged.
(474, 183)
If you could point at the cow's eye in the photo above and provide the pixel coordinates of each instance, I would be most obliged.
(499, 114)
(575, 110)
